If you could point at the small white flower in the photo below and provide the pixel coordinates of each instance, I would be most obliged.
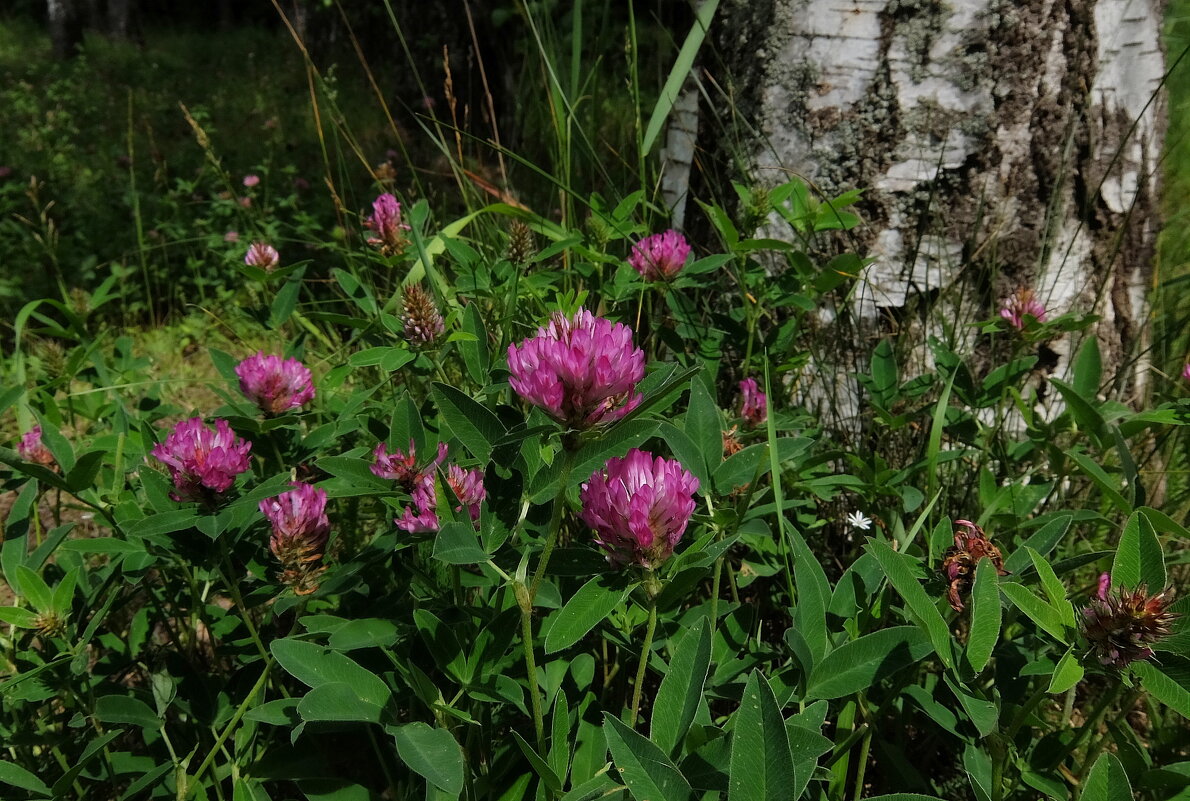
(857, 520)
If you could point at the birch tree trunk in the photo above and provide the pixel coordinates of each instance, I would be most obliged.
(66, 27)
(1003, 144)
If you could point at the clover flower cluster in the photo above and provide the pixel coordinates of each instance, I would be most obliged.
(581, 370)
(419, 481)
(275, 385)
(388, 231)
(1122, 627)
(203, 463)
(300, 533)
(420, 317)
(660, 257)
(754, 404)
(639, 507)
(1020, 306)
(959, 561)
(262, 255)
(32, 450)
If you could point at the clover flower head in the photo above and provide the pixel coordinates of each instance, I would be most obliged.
(754, 404)
(273, 384)
(639, 506)
(467, 486)
(262, 255)
(960, 560)
(385, 223)
(1186, 371)
(1122, 626)
(1021, 305)
(581, 370)
(251, 180)
(660, 257)
(422, 517)
(300, 524)
(402, 467)
(31, 448)
(202, 462)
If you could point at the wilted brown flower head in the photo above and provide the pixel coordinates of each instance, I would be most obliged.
(1121, 626)
(959, 560)
(421, 318)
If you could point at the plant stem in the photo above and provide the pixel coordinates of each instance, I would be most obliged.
(231, 724)
(551, 538)
(644, 660)
(234, 588)
(531, 669)
(861, 766)
(1101, 739)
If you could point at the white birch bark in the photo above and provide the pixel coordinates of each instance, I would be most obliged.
(1004, 144)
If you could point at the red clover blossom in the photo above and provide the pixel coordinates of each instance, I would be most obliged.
(1022, 304)
(467, 486)
(262, 255)
(32, 450)
(274, 385)
(202, 462)
(1122, 627)
(580, 370)
(660, 257)
(386, 225)
(753, 403)
(300, 524)
(639, 507)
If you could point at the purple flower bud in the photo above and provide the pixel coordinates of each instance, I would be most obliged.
(31, 450)
(386, 224)
(1186, 372)
(753, 403)
(202, 462)
(1022, 304)
(639, 507)
(262, 255)
(274, 385)
(251, 180)
(582, 371)
(467, 486)
(300, 524)
(660, 257)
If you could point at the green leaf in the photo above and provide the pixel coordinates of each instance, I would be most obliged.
(1055, 590)
(857, 665)
(813, 597)
(761, 762)
(1067, 674)
(64, 593)
(681, 690)
(16, 776)
(643, 767)
(102, 545)
(686, 451)
(457, 544)
(476, 426)
(126, 709)
(985, 615)
(704, 425)
(35, 590)
(1045, 616)
(368, 632)
(1088, 369)
(678, 74)
(1163, 687)
(21, 618)
(357, 291)
(921, 606)
(540, 766)
(433, 753)
(1081, 408)
(884, 371)
(279, 712)
(904, 797)
(1044, 540)
(983, 714)
(1109, 486)
(1139, 559)
(85, 469)
(475, 352)
(286, 299)
(1107, 781)
(314, 665)
(336, 700)
(584, 611)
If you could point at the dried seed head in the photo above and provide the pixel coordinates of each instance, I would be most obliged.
(959, 561)
(422, 321)
(1121, 627)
